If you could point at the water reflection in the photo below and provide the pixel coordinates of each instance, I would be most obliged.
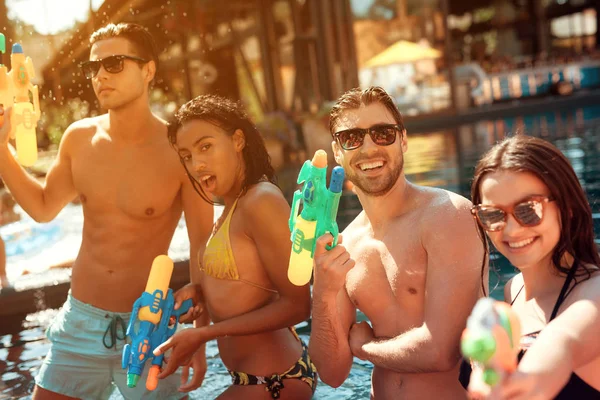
(443, 159)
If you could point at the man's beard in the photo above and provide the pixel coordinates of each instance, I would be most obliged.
(380, 185)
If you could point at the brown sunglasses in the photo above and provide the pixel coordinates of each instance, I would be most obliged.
(527, 213)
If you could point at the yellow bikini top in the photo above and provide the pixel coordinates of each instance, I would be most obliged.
(218, 260)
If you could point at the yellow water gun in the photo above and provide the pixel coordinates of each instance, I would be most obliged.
(17, 91)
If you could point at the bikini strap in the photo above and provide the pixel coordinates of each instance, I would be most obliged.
(256, 285)
(563, 293)
(519, 292)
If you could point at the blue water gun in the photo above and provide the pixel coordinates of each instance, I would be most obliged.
(156, 322)
(319, 211)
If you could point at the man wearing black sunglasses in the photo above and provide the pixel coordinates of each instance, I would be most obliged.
(411, 262)
(133, 190)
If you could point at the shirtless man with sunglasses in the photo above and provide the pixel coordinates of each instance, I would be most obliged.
(133, 190)
(412, 262)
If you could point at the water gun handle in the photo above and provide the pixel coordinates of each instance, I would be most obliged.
(294, 212)
(328, 216)
(152, 380)
(184, 308)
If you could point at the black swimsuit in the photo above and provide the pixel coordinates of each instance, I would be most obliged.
(576, 388)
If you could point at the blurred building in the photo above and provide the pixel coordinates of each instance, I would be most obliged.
(273, 54)
(296, 56)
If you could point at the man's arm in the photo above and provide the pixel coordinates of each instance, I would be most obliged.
(454, 257)
(328, 347)
(333, 312)
(41, 202)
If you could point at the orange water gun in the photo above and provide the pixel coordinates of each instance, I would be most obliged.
(491, 342)
(15, 91)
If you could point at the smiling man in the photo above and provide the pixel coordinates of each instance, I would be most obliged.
(132, 189)
(412, 262)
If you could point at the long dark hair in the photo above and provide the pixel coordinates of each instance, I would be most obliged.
(529, 154)
(229, 116)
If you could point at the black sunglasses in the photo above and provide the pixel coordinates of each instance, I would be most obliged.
(528, 213)
(381, 135)
(112, 64)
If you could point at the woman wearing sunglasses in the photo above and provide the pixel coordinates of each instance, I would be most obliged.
(529, 202)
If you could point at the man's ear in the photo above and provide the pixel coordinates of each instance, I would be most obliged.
(404, 142)
(239, 140)
(337, 152)
(150, 70)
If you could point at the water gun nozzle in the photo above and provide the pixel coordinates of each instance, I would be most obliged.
(132, 380)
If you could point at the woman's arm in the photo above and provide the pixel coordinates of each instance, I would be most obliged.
(266, 220)
(568, 342)
(266, 214)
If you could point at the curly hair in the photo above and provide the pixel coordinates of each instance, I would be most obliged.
(229, 116)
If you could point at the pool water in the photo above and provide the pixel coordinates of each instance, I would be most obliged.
(442, 158)
(22, 351)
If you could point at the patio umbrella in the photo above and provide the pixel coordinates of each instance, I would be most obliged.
(403, 52)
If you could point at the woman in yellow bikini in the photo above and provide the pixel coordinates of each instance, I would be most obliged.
(242, 284)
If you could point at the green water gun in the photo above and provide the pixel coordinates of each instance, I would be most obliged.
(318, 216)
(491, 341)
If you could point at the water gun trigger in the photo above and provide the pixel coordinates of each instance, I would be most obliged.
(334, 232)
(174, 317)
(184, 308)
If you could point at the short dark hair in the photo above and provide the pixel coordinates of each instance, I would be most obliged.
(143, 44)
(522, 153)
(229, 116)
(354, 98)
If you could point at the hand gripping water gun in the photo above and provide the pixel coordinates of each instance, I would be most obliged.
(15, 87)
(318, 216)
(153, 314)
(491, 339)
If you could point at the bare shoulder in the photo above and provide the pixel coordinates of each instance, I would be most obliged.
(512, 286)
(264, 197)
(79, 133)
(589, 289)
(84, 126)
(356, 229)
(438, 208)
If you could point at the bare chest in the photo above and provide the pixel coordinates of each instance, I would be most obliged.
(387, 273)
(142, 183)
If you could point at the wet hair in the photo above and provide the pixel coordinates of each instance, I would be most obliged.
(229, 116)
(355, 98)
(536, 156)
(142, 42)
